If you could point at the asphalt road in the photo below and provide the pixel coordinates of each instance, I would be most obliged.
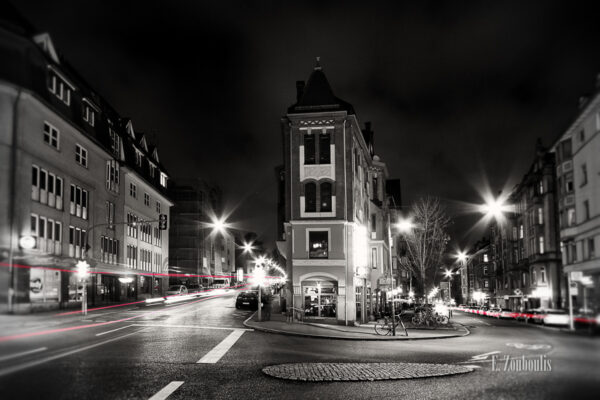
(201, 349)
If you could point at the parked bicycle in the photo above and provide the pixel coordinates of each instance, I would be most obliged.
(426, 316)
(385, 327)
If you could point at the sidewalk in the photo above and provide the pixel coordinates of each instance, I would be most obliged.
(278, 324)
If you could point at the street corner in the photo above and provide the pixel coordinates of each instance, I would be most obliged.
(331, 372)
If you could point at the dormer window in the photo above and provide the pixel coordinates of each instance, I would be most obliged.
(152, 170)
(138, 158)
(59, 86)
(115, 143)
(163, 179)
(89, 115)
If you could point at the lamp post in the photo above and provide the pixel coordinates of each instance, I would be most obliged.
(390, 272)
(259, 277)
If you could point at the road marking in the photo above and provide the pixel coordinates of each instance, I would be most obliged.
(484, 355)
(473, 366)
(219, 351)
(23, 353)
(167, 390)
(20, 367)
(529, 346)
(197, 327)
(114, 330)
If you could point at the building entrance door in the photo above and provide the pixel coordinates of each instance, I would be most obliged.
(320, 298)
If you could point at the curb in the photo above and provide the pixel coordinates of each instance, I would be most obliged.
(373, 339)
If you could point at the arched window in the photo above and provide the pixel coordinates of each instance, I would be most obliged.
(310, 197)
(325, 197)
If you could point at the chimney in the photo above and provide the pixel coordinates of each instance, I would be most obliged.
(299, 90)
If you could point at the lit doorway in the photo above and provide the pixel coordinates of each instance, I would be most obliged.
(320, 298)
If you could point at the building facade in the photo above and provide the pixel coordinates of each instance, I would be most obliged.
(196, 250)
(65, 159)
(577, 153)
(335, 224)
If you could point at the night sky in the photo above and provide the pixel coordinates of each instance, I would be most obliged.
(457, 92)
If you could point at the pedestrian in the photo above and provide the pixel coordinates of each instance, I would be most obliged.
(266, 300)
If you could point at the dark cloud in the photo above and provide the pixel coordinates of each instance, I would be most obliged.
(453, 88)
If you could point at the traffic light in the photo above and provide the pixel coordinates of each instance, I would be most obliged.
(162, 222)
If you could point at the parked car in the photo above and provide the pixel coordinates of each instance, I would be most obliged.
(556, 317)
(494, 312)
(175, 290)
(506, 313)
(247, 299)
(536, 315)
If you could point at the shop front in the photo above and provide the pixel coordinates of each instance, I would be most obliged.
(320, 297)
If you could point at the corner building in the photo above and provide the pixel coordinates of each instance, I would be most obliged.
(335, 224)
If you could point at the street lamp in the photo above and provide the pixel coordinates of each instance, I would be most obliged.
(448, 274)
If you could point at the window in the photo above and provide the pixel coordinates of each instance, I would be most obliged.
(318, 244)
(566, 149)
(157, 237)
(147, 199)
(152, 170)
(310, 197)
(132, 256)
(158, 207)
(138, 158)
(571, 217)
(115, 143)
(79, 202)
(533, 277)
(373, 223)
(586, 210)
(581, 135)
(486, 283)
(591, 248)
(109, 249)
(521, 231)
(541, 244)
(514, 233)
(374, 257)
(81, 155)
(133, 190)
(112, 176)
(310, 149)
(540, 216)
(110, 214)
(584, 177)
(486, 258)
(89, 115)
(543, 274)
(485, 270)
(46, 187)
(325, 197)
(541, 187)
(60, 88)
(132, 225)
(524, 279)
(77, 241)
(163, 179)
(51, 135)
(569, 184)
(324, 148)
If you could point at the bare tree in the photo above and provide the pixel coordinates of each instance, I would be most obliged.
(427, 240)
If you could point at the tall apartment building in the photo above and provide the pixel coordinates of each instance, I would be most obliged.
(194, 248)
(525, 247)
(577, 154)
(335, 224)
(72, 174)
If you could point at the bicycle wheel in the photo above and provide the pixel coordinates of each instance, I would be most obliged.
(382, 329)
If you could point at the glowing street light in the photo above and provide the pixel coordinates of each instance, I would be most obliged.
(494, 208)
(219, 225)
(461, 256)
(258, 278)
(448, 273)
(27, 242)
(247, 247)
(83, 272)
(405, 225)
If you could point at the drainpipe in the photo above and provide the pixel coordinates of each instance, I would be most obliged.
(12, 202)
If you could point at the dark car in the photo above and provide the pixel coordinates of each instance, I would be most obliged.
(247, 299)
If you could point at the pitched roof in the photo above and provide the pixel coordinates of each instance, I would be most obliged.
(317, 96)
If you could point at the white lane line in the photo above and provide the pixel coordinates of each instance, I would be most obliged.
(196, 327)
(23, 353)
(166, 391)
(484, 355)
(114, 330)
(219, 351)
(30, 364)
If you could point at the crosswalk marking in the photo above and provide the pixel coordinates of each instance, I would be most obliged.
(219, 351)
(166, 391)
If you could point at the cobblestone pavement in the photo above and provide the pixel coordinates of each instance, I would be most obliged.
(326, 372)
